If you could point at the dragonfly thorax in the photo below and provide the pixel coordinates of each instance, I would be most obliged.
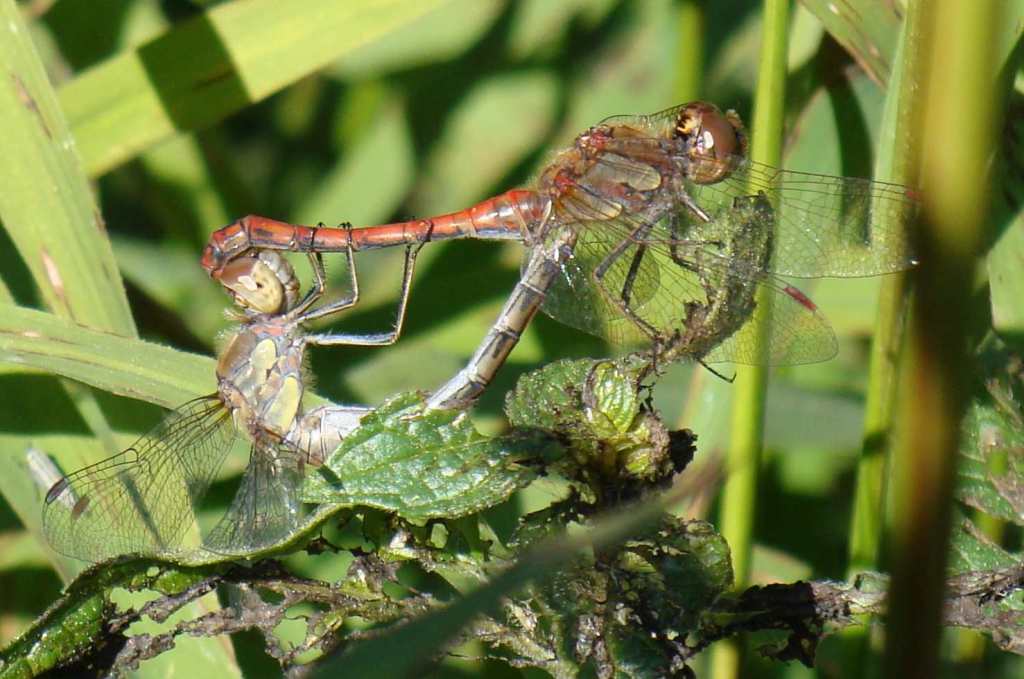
(259, 378)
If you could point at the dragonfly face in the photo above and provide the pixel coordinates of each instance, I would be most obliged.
(711, 140)
(264, 283)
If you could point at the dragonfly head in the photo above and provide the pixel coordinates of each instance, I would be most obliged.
(263, 283)
(713, 140)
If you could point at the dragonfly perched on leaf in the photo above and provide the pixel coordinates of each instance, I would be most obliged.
(635, 230)
(149, 498)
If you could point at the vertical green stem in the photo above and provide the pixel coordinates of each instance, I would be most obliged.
(959, 102)
(739, 498)
(867, 520)
(689, 50)
(899, 136)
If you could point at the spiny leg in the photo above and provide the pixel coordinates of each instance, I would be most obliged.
(717, 374)
(370, 339)
(634, 268)
(622, 300)
(302, 313)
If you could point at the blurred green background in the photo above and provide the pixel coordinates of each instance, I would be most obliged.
(187, 115)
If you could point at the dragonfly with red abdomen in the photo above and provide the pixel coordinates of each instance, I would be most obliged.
(149, 498)
(636, 232)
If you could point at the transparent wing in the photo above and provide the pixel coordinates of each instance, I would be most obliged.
(660, 257)
(825, 226)
(577, 299)
(629, 283)
(653, 125)
(141, 500)
(266, 507)
(795, 332)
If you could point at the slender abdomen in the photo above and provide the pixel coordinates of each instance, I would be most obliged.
(513, 215)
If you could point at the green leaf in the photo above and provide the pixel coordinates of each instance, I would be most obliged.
(119, 365)
(1006, 274)
(421, 465)
(970, 550)
(403, 650)
(215, 64)
(980, 565)
(868, 30)
(673, 572)
(596, 406)
(992, 455)
(46, 204)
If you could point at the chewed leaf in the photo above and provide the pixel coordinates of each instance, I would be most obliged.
(596, 406)
(594, 396)
(992, 461)
(981, 565)
(971, 550)
(422, 465)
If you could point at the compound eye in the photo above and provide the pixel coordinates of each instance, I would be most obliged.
(714, 141)
(254, 285)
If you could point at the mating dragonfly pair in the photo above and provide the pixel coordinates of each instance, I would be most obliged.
(654, 230)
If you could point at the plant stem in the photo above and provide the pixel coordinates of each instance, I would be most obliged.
(689, 50)
(959, 101)
(897, 139)
(739, 497)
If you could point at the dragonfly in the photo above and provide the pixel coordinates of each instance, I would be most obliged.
(653, 229)
(149, 498)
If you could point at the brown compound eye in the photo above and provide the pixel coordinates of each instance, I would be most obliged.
(254, 285)
(713, 141)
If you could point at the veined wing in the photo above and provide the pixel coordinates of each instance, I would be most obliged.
(655, 125)
(661, 273)
(266, 507)
(141, 500)
(825, 226)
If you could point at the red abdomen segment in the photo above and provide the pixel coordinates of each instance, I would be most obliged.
(512, 215)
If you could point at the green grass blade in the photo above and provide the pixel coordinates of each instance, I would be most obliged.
(691, 22)
(46, 204)
(215, 64)
(48, 210)
(959, 98)
(119, 365)
(898, 129)
(867, 520)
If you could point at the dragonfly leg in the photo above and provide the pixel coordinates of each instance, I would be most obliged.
(622, 300)
(692, 206)
(301, 312)
(677, 240)
(366, 339)
(717, 374)
(634, 268)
